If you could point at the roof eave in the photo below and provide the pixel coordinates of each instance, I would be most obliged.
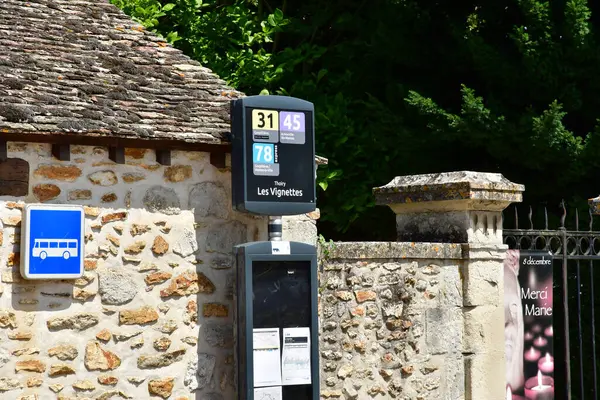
(110, 140)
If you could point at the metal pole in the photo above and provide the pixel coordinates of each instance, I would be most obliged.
(565, 278)
(275, 228)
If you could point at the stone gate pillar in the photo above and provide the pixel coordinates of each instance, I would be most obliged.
(464, 207)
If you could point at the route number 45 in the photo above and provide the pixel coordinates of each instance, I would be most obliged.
(263, 153)
(292, 121)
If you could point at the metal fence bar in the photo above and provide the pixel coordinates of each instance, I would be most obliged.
(593, 298)
(580, 332)
(563, 232)
(579, 309)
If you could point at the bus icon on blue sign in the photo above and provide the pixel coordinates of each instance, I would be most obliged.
(65, 248)
(52, 240)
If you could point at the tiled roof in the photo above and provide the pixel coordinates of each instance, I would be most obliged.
(71, 67)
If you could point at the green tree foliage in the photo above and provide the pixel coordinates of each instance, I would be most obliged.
(413, 86)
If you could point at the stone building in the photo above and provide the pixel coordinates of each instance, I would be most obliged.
(95, 110)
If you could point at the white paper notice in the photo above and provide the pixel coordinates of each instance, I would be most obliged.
(267, 357)
(295, 369)
(268, 393)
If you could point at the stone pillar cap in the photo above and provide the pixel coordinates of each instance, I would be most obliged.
(460, 190)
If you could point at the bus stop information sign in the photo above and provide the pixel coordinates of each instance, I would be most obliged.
(52, 241)
(273, 155)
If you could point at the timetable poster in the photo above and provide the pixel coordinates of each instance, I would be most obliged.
(267, 357)
(528, 330)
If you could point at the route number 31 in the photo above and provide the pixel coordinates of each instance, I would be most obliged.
(265, 120)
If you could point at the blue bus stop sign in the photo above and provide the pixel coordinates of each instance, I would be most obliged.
(52, 243)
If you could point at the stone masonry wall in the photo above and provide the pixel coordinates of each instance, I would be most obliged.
(152, 315)
(391, 321)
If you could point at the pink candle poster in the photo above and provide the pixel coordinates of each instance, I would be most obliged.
(528, 331)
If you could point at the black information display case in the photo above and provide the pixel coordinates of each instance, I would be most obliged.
(276, 291)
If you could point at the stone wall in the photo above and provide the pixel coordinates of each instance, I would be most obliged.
(421, 318)
(152, 314)
(391, 321)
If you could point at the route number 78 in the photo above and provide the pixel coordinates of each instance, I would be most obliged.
(263, 153)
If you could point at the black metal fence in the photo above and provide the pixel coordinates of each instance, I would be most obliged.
(575, 247)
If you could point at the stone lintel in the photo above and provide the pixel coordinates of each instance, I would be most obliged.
(395, 251)
(449, 191)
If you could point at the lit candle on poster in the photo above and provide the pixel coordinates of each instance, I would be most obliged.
(532, 355)
(539, 387)
(528, 336)
(510, 396)
(536, 328)
(540, 342)
(546, 364)
(549, 332)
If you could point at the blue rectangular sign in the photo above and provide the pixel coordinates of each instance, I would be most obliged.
(52, 242)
